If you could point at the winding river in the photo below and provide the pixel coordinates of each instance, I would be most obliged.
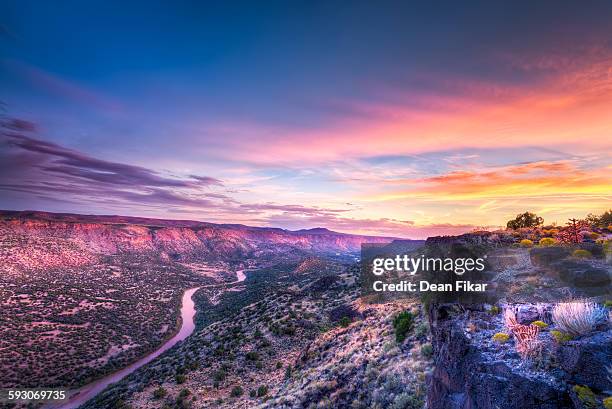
(83, 394)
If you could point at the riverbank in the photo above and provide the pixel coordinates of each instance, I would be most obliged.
(83, 394)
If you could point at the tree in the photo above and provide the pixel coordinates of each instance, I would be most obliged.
(603, 221)
(526, 219)
(572, 233)
(402, 324)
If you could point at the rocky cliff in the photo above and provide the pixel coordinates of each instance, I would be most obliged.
(478, 362)
(89, 236)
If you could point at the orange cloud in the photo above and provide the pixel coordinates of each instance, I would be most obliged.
(538, 179)
(566, 109)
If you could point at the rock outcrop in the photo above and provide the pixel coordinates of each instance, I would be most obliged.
(472, 372)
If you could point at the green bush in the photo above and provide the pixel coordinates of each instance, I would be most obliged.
(402, 324)
(560, 337)
(501, 338)
(540, 324)
(547, 242)
(180, 378)
(586, 396)
(262, 391)
(252, 356)
(236, 391)
(219, 376)
(159, 393)
(345, 322)
(526, 243)
(427, 350)
(580, 253)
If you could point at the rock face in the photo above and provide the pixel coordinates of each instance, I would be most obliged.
(90, 236)
(545, 256)
(582, 274)
(577, 273)
(466, 377)
(587, 360)
(472, 373)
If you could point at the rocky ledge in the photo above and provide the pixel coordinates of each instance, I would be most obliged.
(473, 370)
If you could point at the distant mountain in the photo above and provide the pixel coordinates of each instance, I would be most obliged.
(176, 239)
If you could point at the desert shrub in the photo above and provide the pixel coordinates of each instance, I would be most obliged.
(345, 322)
(262, 391)
(120, 404)
(159, 393)
(180, 378)
(184, 393)
(580, 253)
(586, 396)
(578, 318)
(500, 338)
(607, 402)
(236, 391)
(540, 324)
(427, 350)
(406, 401)
(421, 330)
(608, 304)
(560, 337)
(279, 365)
(547, 242)
(526, 243)
(402, 324)
(219, 376)
(252, 393)
(252, 356)
(494, 310)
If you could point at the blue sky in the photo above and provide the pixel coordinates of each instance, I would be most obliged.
(378, 117)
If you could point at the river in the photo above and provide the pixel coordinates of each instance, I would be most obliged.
(84, 393)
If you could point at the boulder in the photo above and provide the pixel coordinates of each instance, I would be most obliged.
(586, 360)
(545, 256)
(582, 274)
(528, 313)
(466, 377)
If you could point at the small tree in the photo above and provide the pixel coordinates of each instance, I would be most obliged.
(402, 324)
(572, 233)
(526, 219)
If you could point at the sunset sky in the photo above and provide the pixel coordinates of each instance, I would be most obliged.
(372, 117)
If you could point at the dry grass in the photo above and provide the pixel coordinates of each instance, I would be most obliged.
(578, 318)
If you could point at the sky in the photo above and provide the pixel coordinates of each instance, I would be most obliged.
(387, 118)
